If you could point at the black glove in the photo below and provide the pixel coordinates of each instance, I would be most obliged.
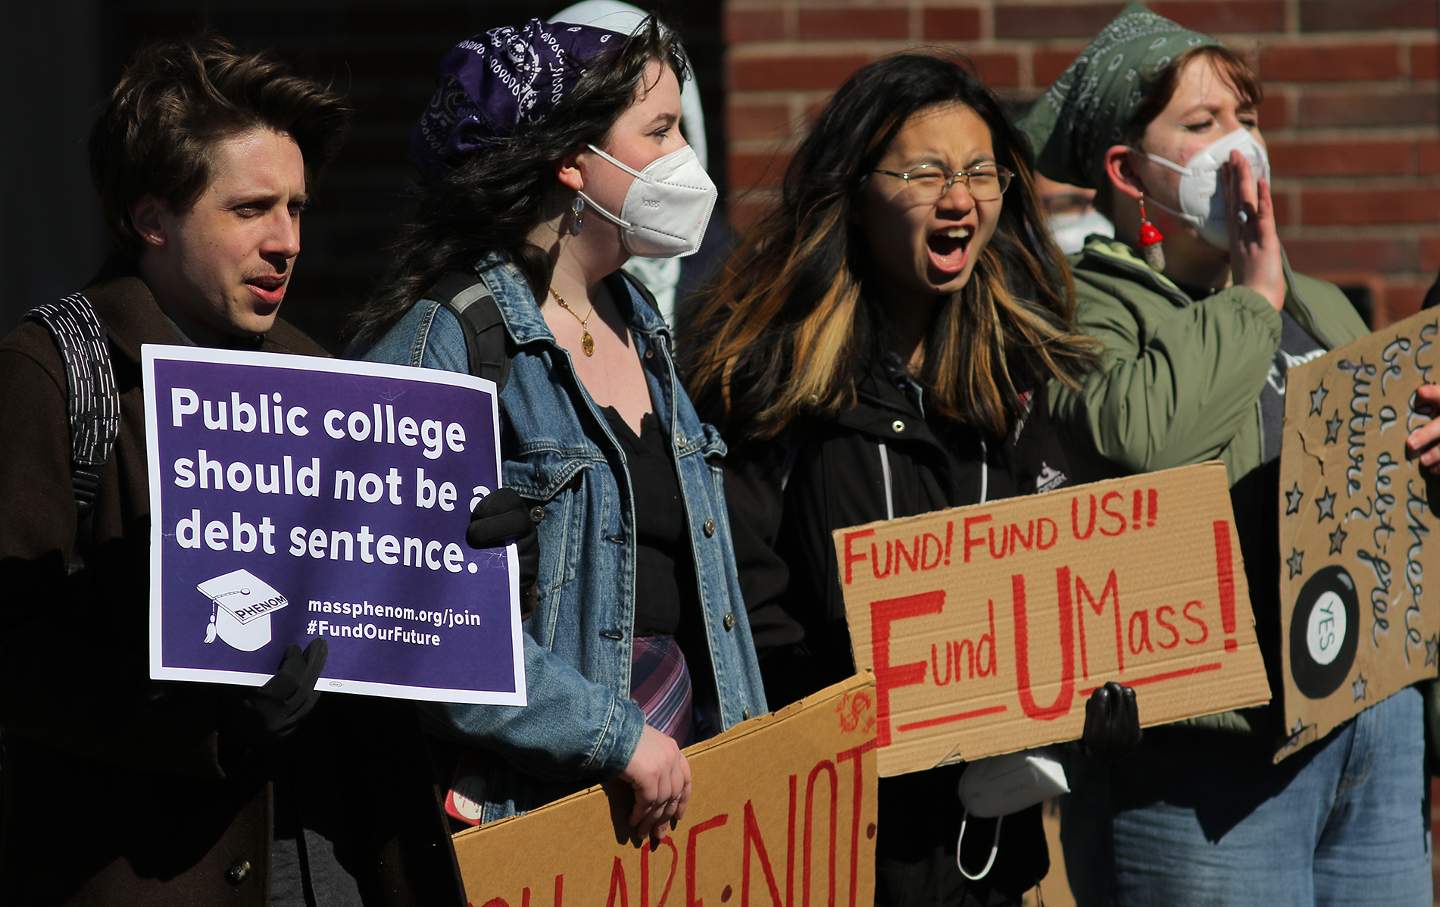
(267, 714)
(1112, 722)
(503, 517)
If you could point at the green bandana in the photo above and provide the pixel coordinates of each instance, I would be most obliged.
(1089, 106)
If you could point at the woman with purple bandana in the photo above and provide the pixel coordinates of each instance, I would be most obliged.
(550, 154)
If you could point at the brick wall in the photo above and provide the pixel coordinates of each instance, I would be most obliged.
(1352, 111)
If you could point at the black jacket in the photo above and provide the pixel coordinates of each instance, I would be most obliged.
(885, 457)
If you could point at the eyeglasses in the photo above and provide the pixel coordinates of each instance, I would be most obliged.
(984, 182)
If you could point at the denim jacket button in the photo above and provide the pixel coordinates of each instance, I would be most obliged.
(709, 528)
(649, 354)
(729, 621)
(537, 514)
(745, 714)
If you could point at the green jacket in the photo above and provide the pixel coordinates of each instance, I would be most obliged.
(1179, 381)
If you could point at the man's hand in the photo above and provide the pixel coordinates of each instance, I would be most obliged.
(1112, 721)
(1422, 441)
(503, 517)
(277, 708)
(270, 713)
(659, 775)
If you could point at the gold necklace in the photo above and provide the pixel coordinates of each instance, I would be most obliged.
(587, 343)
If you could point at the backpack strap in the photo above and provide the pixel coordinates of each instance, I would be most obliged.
(94, 403)
(486, 340)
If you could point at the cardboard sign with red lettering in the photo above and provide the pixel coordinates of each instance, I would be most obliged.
(1356, 518)
(987, 627)
(782, 812)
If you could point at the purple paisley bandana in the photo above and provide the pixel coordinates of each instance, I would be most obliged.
(491, 84)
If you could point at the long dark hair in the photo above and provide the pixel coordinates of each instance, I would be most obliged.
(492, 199)
(788, 331)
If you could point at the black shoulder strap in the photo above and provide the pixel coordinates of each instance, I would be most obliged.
(94, 403)
(486, 340)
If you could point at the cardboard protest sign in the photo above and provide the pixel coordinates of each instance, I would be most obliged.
(782, 813)
(1356, 518)
(295, 498)
(987, 627)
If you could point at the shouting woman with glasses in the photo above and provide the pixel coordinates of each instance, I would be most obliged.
(875, 349)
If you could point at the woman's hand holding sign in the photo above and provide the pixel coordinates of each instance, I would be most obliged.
(1422, 441)
(1112, 721)
(659, 775)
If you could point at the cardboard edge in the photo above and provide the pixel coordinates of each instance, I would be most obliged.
(734, 735)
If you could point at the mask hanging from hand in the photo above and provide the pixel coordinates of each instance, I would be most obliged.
(666, 209)
(1002, 785)
(1202, 201)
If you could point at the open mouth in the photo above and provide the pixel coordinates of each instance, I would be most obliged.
(270, 289)
(949, 248)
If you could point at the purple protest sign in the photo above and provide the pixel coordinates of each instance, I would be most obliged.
(294, 498)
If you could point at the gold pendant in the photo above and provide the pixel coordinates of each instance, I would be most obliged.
(587, 343)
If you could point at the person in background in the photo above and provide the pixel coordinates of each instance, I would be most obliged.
(672, 281)
(118, 789)
(876, 348)
(1070, 214)
(1199, 316)
(638, 641)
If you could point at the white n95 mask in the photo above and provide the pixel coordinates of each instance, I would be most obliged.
(1202, 201)
(666, 209)
(1003, 785)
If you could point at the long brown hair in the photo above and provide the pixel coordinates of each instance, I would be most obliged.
(790, 329)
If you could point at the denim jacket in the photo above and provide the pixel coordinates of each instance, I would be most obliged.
(559, 453)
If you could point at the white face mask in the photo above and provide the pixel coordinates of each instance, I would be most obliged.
(666, 209)
(1202, 202)
(1070, 229)
(1002, 785)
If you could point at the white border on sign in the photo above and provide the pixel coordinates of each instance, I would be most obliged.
(152, 352)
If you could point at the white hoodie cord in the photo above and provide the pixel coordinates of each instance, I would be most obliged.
(984, 471)
(965, 817)
(890, 491)
(885, 474)
(994, 848)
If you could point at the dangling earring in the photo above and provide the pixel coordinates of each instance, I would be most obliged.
(577, 208)
(1150, 241)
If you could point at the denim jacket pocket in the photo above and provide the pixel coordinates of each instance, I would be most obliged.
(552, 483)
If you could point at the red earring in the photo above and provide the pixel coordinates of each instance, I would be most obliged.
(1150, 241)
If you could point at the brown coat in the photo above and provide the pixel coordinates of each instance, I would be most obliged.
(114, 789)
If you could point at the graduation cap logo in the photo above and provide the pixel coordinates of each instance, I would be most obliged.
(240, 607)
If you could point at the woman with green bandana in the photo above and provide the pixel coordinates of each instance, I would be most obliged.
(1199, 316)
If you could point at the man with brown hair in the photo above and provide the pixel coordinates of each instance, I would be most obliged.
(119, 789)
